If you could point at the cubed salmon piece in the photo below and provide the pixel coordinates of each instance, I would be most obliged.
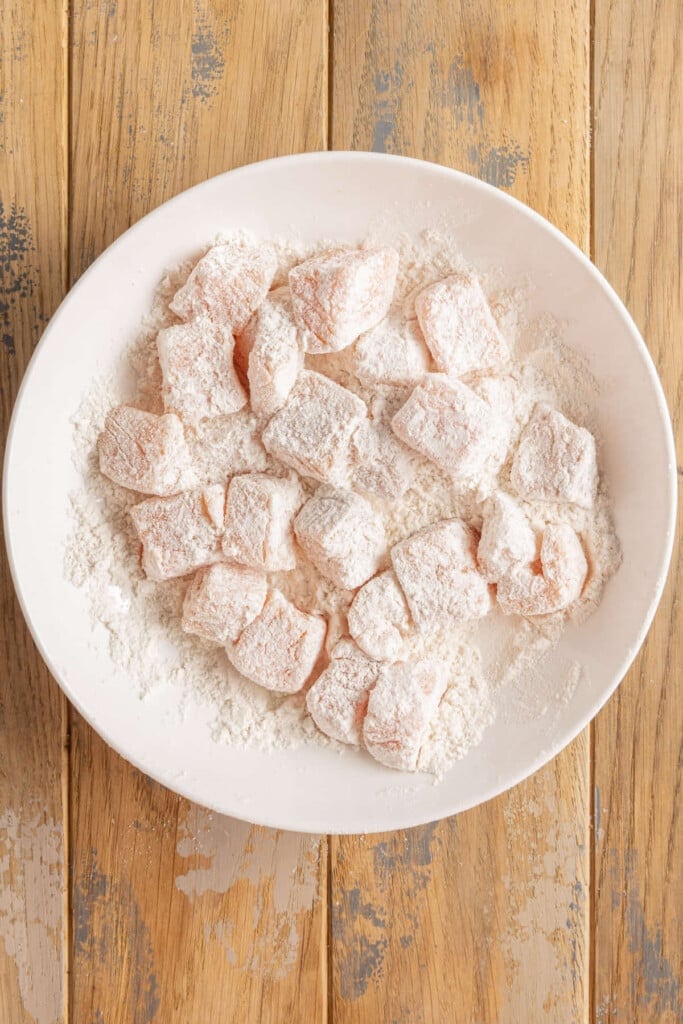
(146, 453)
(445, 421)
(281, 299)
(276, 353)
(555, 461)
(393, 352)
(258, 521)
(379, 619)
(338, 699)
(222, 600)
(499, 394)
(437, 570)
(312, 432)
(401, 706)
(281, 647)
(551, 586)
(458, 326)
(199, 378)
(182, 533)
(380, 463)
(227, 285)
(342, 535)
(341, 293)
(225, 445)
(507, 539)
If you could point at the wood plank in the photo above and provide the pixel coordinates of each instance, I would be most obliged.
(168, 94)
(483, 917)
(33, 269)
(180, 915)
(638, 167)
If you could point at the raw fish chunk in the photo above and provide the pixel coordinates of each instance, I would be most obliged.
(437, 570)
(552, 586)
(258, 521)
(402, 704)
(507, 539)
(459, 327)
(275, 353)
(146, 453)
(227, 285)
(341, 293)
(222, 600)
(445, 421)
(182, 533)
(342, 536)
(555, 461)
(199, 378)
(338, 699)
(379, 619)
(312, 432)
(280, 648)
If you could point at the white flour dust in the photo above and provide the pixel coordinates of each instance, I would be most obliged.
(142, 618)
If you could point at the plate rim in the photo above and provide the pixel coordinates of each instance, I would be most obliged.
(553, 749)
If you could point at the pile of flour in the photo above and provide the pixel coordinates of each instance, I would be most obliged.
(142, 618)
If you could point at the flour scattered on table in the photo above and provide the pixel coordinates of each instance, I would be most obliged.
(347, 496)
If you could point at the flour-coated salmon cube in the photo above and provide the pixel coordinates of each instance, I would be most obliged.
(555, 461)
(393, 352)
(445, 421)
(379, 619)
(281, 647)
(281, 299)
(507, 539)
(437, 570)
(225, 445)
(312, 431)
(343, 292)
(553, 585)
(146, 453)
(227, 284)
(181, 533)
(275, 353)
(258, 521)
(338, 699)
(401, 706)
(499, 394)
(342, 535)
(458, 326)
(199, 379)
(380, 463)
(222, 600)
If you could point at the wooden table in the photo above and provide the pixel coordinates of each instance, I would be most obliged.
(558, 902)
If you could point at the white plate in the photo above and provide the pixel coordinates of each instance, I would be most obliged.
(333, 195)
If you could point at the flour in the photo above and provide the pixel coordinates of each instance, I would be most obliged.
(487, 660)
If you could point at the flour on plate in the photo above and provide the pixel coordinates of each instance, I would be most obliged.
(487, 658)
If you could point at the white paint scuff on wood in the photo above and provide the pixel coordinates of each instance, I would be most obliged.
(31, 905)
(278, 876)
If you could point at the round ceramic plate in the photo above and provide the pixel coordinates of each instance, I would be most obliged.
(335, 196)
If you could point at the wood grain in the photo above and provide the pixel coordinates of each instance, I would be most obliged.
(483, 917)
(181, 916)
(165, 95)
(33, 270)
(638, 226)
(178, 915)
